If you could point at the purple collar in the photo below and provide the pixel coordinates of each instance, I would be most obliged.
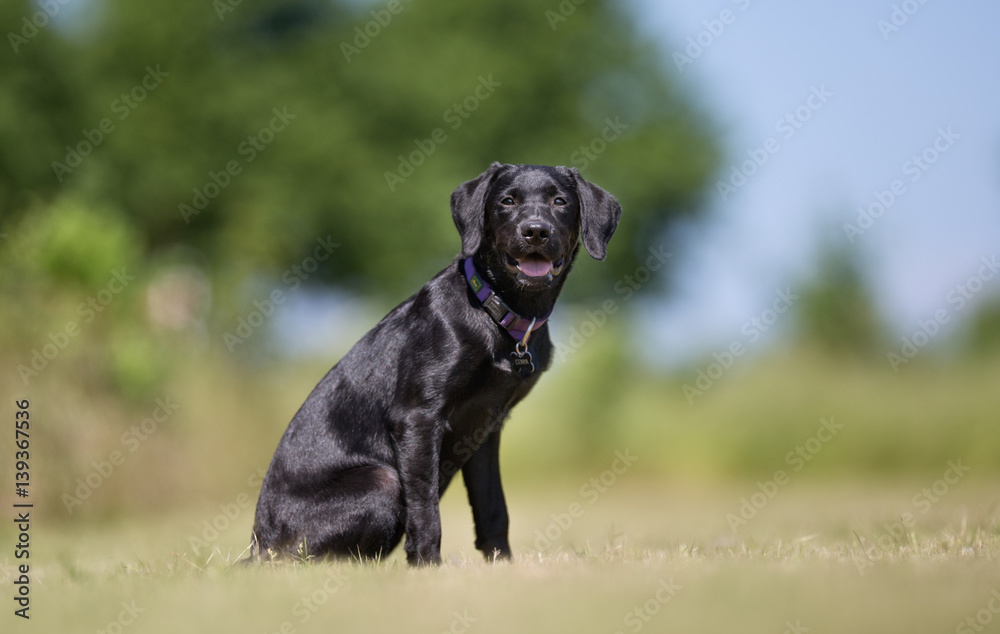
(515, 325)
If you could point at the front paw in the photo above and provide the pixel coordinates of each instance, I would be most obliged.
(423, 537)
(424, 557)
(499, 551)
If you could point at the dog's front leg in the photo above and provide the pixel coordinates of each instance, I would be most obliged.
(419, 457)
(489, 509)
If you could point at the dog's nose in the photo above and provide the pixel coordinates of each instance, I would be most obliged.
(536, 232)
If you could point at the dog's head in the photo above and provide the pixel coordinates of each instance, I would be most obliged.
(526, 221)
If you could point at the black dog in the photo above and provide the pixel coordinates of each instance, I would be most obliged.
(426, 391)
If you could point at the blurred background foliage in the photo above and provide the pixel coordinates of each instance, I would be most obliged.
(363, 103)
(359, 102)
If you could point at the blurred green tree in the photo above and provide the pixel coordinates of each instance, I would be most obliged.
(836, 310)
(981, 334)
(247, 130)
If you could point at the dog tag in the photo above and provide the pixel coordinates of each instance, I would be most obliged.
(521, 357)
(523, 364)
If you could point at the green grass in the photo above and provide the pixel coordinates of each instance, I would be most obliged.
(816, 554)
(828, 551)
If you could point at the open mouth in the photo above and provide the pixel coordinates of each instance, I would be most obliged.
(534, 266)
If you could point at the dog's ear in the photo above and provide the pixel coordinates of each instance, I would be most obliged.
(468, 208)
(599, 214)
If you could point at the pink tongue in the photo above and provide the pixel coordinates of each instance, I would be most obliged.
(534, 266)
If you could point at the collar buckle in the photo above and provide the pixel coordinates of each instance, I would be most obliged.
(495, 307)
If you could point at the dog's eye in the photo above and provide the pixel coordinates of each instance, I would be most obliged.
(559, 200)
(507, 201)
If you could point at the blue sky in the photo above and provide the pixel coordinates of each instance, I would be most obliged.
(890, 92)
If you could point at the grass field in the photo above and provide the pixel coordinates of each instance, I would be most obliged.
(640, 556)
(718, 526)
(632, 509)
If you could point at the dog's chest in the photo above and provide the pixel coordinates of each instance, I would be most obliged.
(485, 404)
